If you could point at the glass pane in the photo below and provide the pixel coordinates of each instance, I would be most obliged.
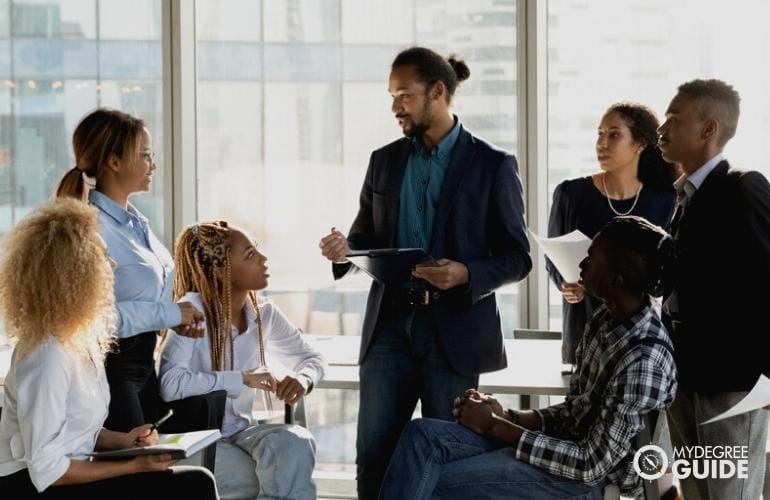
(5, 14)
(60, 19)
(302, 62)
(135, 20)
(54, 71)
(228, 20)
(394, 22)
(302, 21)
(230, 154)
(596, 57)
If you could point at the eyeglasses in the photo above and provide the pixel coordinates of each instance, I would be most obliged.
(148, 156)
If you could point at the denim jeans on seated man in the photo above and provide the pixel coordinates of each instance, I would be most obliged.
(406, 362)
(437, 459)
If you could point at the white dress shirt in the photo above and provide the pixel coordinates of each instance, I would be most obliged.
(185, 364)
(55, 405)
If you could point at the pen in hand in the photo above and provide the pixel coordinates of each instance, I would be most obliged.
(161, 420)
(155, 425)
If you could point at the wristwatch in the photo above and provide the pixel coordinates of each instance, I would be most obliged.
(513, 415)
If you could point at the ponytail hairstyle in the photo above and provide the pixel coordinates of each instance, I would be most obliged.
(202, 258)
(654, 172)
(431, 68)
(101, 134)
(642, 253)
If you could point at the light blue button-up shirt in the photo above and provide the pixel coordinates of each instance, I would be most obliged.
(688, 185)
(144, 275)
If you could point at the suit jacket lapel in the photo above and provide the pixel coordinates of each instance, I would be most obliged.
(677, 218)
(462, 157)
(396, 169)
(692, 207)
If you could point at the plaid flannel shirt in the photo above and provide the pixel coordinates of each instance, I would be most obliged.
(623, 372)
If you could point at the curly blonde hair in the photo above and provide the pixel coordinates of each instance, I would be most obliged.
(55, 279)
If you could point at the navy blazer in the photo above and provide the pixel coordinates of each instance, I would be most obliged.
(720, 333)
(479, 222)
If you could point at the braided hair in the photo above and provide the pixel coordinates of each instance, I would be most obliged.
(643, 253)
(202, 259)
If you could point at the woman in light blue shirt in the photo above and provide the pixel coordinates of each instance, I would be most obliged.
(114, 157)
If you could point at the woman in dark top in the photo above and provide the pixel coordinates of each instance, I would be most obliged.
(634, 180)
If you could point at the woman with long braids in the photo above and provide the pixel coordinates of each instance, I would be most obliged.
(634, 180)
(114, 161)
(219, 270)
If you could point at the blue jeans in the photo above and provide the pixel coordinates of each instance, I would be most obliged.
(436, 459)
(276, 460)
(406, 362)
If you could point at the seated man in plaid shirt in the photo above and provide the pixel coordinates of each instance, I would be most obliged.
(625, 369)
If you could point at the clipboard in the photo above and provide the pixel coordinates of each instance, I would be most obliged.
(388, 265)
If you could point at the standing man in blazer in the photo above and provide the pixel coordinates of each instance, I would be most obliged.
(460, 199)
(717, 319)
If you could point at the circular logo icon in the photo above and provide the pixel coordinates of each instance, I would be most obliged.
(650, 462)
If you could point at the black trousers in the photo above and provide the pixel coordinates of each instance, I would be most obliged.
(188, 483)
(134, 389)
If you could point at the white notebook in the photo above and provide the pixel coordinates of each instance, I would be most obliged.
(178, 445)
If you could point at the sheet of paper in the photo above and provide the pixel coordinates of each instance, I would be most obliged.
(758, 397)
(566, 252)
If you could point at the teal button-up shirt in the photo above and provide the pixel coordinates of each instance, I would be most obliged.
(421, 188)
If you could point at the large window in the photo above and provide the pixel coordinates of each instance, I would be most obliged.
(59, 59)
(600, 52)
(292, 98)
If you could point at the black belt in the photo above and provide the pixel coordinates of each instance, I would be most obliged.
(415, 297)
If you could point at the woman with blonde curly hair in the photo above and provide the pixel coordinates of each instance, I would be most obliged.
(219, 270)
(114, 157)
(57, 303)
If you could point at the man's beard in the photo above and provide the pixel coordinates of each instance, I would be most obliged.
(420, 127)
(416, 130)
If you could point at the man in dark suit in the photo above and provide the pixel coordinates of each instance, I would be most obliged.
(716, 316)
(458, 197)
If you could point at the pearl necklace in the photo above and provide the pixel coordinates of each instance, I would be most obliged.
(609, 201)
